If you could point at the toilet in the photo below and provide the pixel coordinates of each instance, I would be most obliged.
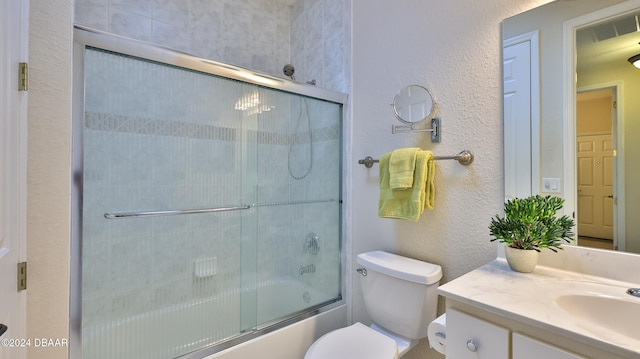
(400, 295)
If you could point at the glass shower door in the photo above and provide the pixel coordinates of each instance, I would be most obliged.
(160, 138)
(298, 159)
(210, 208)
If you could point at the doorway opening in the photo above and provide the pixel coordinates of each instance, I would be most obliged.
(596, 123)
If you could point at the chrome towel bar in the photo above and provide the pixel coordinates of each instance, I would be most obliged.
(113, 215)
(464, 158)
(126, 214)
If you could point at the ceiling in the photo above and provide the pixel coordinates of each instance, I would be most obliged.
(609, 42)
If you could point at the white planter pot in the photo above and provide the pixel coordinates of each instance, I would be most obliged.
(521, 260)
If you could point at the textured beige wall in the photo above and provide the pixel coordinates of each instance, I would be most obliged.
(453, 48)
(49, 174)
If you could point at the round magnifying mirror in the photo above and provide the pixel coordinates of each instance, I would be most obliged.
(413, 104)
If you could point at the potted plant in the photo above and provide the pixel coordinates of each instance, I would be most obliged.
(529, 225)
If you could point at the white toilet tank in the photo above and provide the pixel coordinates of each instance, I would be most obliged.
(400, 293)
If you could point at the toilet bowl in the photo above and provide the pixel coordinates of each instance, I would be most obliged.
(400, 295)
(355, 341)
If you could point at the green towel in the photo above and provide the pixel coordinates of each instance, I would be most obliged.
(430, 188)
(402, 164)
(409, 203)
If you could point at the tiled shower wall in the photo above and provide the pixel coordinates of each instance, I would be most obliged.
(261, 35)
(320, 42)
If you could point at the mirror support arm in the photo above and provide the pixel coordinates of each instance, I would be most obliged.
(435, 129)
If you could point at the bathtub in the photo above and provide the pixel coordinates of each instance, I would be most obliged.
(290, 342)
(217, 323)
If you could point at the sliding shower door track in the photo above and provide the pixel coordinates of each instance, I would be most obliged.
(288, 203)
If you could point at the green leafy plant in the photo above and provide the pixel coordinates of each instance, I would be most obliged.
(531, 223)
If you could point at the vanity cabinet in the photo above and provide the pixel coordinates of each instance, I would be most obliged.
(529, 348)
(495, 299)
(469, 337)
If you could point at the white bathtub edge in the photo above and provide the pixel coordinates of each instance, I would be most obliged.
(288, 342)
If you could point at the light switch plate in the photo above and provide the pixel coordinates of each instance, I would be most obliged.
(551, 185)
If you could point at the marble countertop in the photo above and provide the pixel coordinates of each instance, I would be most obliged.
(530, 298)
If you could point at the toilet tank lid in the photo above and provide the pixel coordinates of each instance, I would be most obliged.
(400, 267)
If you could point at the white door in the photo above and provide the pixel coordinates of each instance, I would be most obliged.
(517, 120)
(13, 40)
(595, 186)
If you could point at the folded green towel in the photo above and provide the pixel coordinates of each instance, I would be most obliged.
(402, 164)
(409, 203)
(430, 188)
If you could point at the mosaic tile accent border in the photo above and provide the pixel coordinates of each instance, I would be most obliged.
(319, 135)
(147, 126)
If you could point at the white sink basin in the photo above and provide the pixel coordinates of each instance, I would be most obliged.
(617, 314)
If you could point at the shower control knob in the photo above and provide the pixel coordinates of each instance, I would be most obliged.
(472, 346)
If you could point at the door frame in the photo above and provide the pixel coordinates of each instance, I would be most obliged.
(617, 134)
(570, 90)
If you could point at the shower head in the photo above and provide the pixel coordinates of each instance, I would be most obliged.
(289, 70)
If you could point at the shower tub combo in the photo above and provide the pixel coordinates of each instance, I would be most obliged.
(207, 203)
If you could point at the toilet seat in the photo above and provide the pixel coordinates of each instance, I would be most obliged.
(353, 342)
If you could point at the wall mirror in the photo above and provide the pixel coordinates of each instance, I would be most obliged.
(415, 107)
(413, 104)
(583, 117)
